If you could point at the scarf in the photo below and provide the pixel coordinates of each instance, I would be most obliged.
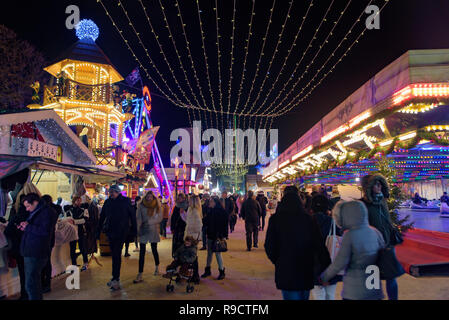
(150, 205)
(378, 197)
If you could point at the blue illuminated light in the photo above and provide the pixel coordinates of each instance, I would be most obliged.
(87, 29)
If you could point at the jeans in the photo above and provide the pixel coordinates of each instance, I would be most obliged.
(116, 252)
(210, 242)
(392, 289)
(296, 295)
(252, 234)
(21, 268)
(142, 255)
(33, 274)
(262, 223)
(163, 227)
(204, 234)
(324, 292)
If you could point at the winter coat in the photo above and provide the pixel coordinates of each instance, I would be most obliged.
(378, 215)
(229, 205)
(91, 226)
(359, 249)
(263, 201)
(36, 240)
(77, 213)
(217, 223)
(148, 227)
(194, 224)
(116, 217)
(251, 211)
(13, 234)
(186, 254)
(295, 246)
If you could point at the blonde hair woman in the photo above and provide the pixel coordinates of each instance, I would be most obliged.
(149, 216)
(193, 218)
(194, 226)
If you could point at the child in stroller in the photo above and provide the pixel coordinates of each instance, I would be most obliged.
(184, 259)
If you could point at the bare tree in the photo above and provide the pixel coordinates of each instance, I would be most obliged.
(21, 64)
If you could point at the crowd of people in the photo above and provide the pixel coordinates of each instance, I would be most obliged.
(297, 239)
(296, 243)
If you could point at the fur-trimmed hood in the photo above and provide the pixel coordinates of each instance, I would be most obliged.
(368, 183)
(350, 214)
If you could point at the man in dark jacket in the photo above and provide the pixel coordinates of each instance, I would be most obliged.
(116, 217)
(56, 210)
(295, 246)
(205, 208)
(251, 212)
(227, 203)
(36, 243)
(14, 235)
(263, 201)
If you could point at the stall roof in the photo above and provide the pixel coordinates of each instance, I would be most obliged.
(415, 66)
(54, 131)
(10, 164)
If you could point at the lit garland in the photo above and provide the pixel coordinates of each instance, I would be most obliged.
(304, 54)
(178, 102)
(292, 103)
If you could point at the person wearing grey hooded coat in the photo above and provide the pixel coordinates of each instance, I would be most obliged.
(359, 249)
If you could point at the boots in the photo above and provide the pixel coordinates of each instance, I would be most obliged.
(206, 272)
(156, 271)
(222, 274)
(138, 278)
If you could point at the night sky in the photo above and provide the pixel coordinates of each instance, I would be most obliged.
(405, 25)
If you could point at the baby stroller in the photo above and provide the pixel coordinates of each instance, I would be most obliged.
(185, 273)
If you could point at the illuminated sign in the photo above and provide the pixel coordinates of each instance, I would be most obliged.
(147, 98)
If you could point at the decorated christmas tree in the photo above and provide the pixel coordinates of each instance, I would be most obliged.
(385, 168)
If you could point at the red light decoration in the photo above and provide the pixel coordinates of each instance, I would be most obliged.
(147, 98)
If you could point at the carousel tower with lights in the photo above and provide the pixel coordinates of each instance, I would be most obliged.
(83, 95)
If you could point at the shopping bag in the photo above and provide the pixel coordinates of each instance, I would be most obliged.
(333, 243)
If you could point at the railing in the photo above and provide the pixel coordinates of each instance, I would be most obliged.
(78, 91)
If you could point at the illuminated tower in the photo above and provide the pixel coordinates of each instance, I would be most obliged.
(83, 95)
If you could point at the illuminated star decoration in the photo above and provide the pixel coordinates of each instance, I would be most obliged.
(86, 28)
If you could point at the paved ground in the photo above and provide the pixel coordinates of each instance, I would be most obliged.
(249, 275)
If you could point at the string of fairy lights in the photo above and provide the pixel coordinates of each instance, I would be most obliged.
(292, 103)
(265, 79)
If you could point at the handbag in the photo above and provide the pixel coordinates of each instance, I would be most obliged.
(395, 237)
(219, 245)
(389, 266)
(333, 244)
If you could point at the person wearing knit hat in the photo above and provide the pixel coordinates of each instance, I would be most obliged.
(117, 221)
